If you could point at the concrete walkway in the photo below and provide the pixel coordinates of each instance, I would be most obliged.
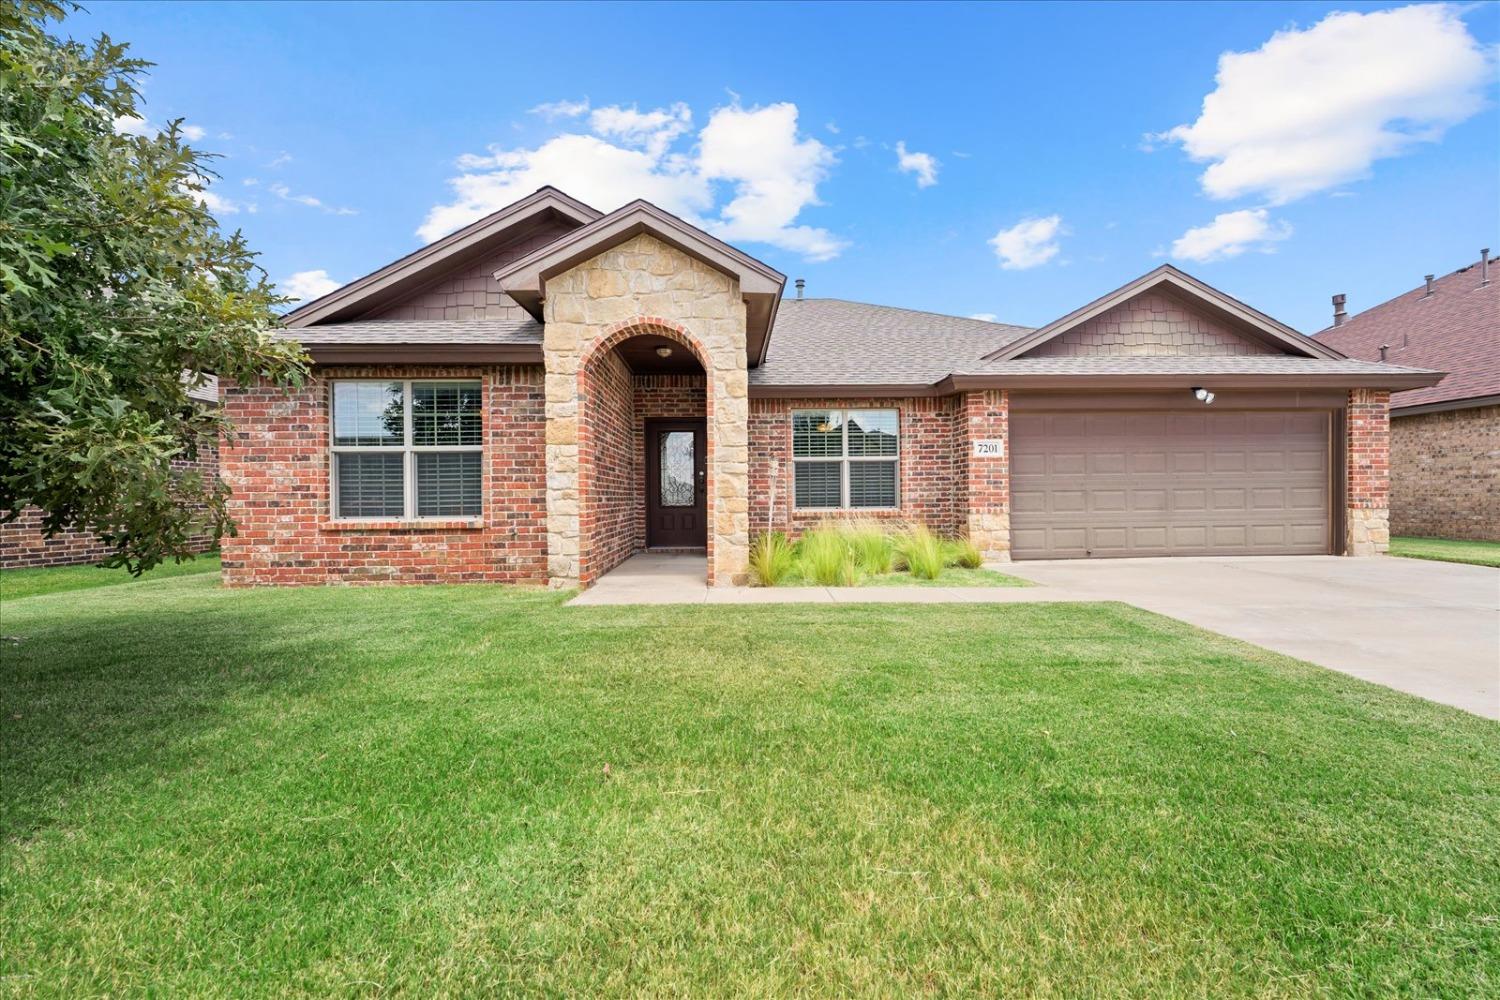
(1430, 629)
(660, 578)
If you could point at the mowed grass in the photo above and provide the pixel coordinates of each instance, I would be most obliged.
(477, 791)
(1447, 550)
(18, 583)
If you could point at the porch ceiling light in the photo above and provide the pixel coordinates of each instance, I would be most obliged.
(663, 352)
(1202, 395)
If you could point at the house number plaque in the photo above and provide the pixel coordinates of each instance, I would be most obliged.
(989, 448)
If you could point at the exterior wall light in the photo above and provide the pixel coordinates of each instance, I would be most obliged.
(663, 352)
(1202, 395)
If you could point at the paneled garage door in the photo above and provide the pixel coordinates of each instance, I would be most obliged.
(1102, 484)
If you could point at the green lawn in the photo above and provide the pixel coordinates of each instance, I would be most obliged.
(18, 583)
(477, 791)
(1447, 550)
(951, 576)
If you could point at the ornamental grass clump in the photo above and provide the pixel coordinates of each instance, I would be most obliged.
(922, 552)
(962, 552)
(872, 545)
(772, 559)
(825, 558)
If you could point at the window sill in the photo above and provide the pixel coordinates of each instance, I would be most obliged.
(433, 524)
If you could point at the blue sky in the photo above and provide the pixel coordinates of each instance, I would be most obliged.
(1352, 152)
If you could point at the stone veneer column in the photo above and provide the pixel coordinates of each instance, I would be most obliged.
(1367, 427)
(986, 479)
(645, 286)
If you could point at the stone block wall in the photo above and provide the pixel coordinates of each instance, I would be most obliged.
(926, 467)
(644, 286)
(1367, 446)
(24, 544)
(1445, 474)
(277, 463)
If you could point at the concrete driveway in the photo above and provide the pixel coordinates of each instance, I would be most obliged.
(1431, 629)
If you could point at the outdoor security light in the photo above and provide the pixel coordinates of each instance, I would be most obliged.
(1202, 395)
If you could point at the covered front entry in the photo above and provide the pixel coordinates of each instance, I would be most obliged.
(1191, 482)
(676, 481)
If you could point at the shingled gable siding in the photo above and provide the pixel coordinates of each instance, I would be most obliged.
(1151, 324)
(23, 544)
(930, 428)
(1368, 462)
(1445, 474)
(277, 464)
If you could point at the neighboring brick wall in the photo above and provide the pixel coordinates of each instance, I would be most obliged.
(926, 467)
(1368, 453)
(277, 463)
(1150, 324)
(1445, 474)
(23, 544)
(606, 439)
(680, 397)
(984, 482)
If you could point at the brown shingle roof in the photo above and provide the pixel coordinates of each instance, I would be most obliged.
(834, 342)
(1455, 330)
(420, 331)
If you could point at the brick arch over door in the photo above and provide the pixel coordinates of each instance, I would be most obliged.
(608, 491)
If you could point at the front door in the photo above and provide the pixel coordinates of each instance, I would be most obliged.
(676, 478)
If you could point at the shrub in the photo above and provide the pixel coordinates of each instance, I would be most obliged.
(826, 558)
(962, 552)
(772, 559)
(872, 545)
(922, 551)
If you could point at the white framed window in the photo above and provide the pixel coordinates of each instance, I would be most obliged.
(846, 459)
(407, 450)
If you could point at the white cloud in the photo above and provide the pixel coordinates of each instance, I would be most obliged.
(280, 160)
(924, 165)
(1029, 243)
(286, 194)
(132, 125)
(771, 173)
(193, 132)
(987, 317)
(553, 110)
(1315, 108)
(305, 286)
(218, 204)
(1231, 234)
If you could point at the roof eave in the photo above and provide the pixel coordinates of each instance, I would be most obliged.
(410, 354)
(1395, 382)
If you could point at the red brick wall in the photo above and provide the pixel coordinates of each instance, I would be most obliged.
(660, 397)
(1369, 449)
(23, 543)
(606, 446)
(927, 468)
(1445, 474)
(277, 464)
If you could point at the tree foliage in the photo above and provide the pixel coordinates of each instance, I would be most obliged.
(118, 293)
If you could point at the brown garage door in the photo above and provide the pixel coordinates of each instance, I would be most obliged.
(1161, 484)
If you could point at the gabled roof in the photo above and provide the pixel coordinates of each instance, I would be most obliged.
(509, 341)
(760, 284)
(1455, 329)
(1166, 277)
(409, 273)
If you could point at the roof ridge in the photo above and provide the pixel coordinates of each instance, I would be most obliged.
(918, 312)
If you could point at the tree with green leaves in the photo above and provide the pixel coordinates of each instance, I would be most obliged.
(119, 293)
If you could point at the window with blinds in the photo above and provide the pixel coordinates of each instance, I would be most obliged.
(406, 450)
(846, 459)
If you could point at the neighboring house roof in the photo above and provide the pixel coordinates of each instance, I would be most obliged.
(835, 342)
(410, 272)
(760, 284)
(1456, 329)
(203, 386)
(1251, 321)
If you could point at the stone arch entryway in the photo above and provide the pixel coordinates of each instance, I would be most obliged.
(644, 408)
(643, 287)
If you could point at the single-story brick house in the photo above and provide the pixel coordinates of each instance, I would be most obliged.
(1445, 439)
(550, 389)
